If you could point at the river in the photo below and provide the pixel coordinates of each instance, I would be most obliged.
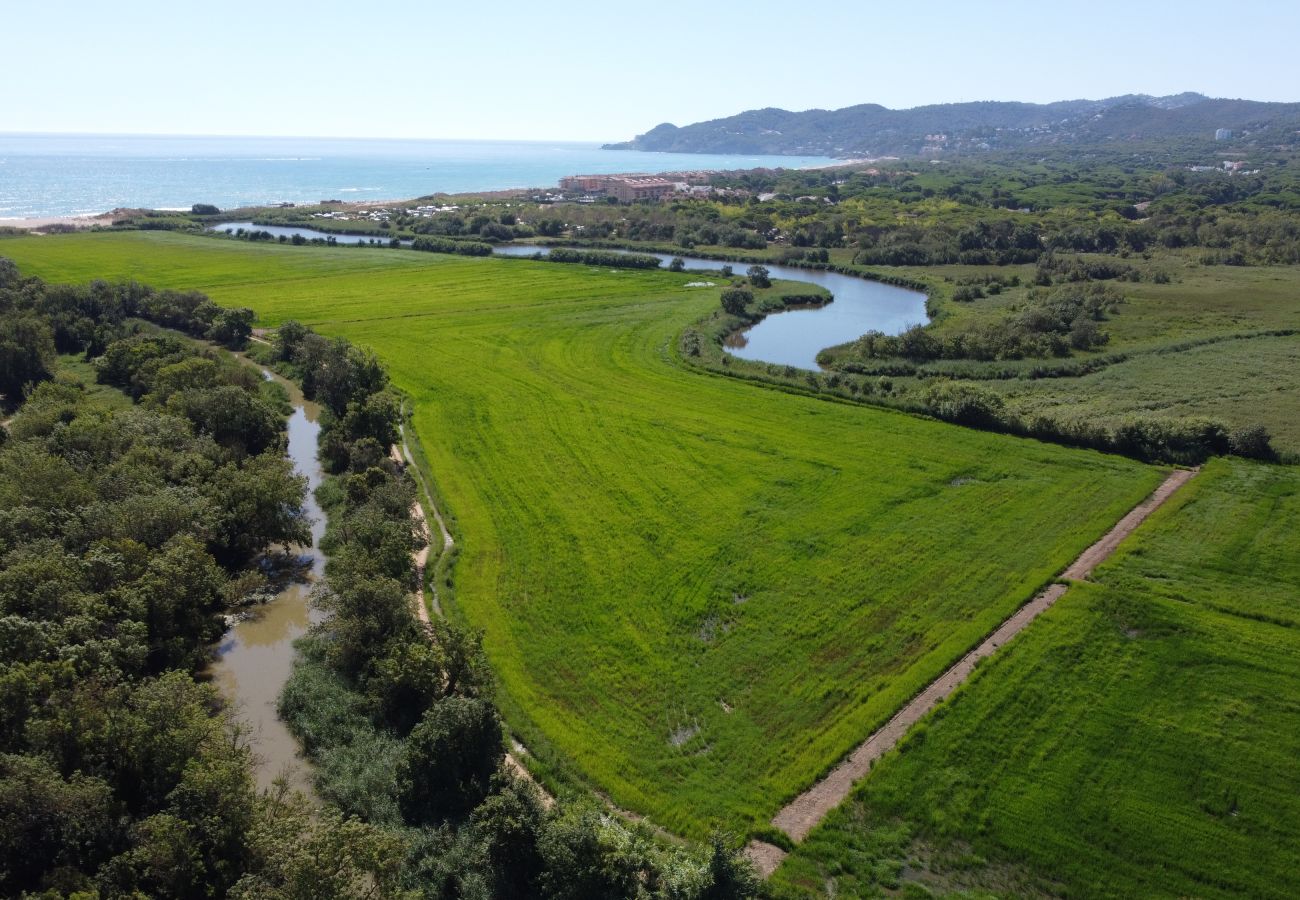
(795, 337)
(790, 338)
(256, 655)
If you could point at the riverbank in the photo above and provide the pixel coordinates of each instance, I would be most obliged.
(255, 656)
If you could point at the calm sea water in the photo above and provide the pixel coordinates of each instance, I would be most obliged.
(68, 175)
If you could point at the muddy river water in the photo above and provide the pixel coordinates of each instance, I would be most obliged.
(256, 654)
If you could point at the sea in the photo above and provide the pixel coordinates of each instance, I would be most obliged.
(74, 175)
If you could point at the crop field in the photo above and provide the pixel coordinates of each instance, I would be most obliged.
(1141, 739)
(697, 593)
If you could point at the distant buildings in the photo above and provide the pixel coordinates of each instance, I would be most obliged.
(1223, 134)
(628, 188)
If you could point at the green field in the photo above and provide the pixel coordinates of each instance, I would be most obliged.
(1195, 347)
(697, 593)
(1141, 740)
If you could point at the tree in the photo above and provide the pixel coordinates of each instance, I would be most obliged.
(508, 826)
(301, 853)
(204, 209)
(677, 265)
(731, 875)
(450, 759)
(736, 300)
(232, 327)
(759, 276)
(48, 822)
(27, 354)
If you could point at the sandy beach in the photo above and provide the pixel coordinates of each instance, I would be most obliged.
(38, 223)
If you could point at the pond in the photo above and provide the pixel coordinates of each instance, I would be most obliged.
(309, 233)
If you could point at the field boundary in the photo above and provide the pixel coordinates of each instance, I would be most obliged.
(797, 818)
(401, 455)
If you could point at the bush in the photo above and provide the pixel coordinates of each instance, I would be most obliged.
(963, 403)
(735, 301)
(1252, 442)
(447, 245)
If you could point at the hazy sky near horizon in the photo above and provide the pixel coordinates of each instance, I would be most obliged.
(600, 71)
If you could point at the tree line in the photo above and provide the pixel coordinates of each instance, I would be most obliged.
(125, 533)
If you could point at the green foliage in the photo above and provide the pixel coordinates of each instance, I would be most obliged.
(965, 404)
(1140, 739)
(449, 760)
(1049, 323)
(121, 528)
(603, 258)
(27, 354)
(446, 245)
(735, 301)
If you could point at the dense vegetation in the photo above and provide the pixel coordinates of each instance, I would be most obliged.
(1139, 740)
(654, 548)
(126, 531)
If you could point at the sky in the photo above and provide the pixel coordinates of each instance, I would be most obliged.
(600, 71)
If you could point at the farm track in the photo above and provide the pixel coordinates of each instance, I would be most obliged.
(803, 813)
(402, 457)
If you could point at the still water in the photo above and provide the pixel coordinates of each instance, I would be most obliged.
(794, 337)
(790, 338)
(256, 655)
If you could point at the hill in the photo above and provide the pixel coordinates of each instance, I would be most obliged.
(872, 130)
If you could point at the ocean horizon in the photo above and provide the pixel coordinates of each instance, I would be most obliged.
(48, 175)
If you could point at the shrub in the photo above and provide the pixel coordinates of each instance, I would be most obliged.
(963, 403)
(735, 301)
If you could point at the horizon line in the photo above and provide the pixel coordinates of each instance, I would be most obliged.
(312, 137)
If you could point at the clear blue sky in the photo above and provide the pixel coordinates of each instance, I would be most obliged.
(600, 71)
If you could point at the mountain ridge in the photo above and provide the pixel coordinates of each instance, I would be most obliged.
(869, 129)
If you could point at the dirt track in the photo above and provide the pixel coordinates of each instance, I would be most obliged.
(402, 456)
(809, 808)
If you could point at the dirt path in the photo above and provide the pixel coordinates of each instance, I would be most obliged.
(809, 808)
(402, 456)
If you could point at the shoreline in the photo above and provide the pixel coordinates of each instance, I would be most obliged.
(105, 219)
(36, 223)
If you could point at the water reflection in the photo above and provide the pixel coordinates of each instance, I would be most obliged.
(255, 657)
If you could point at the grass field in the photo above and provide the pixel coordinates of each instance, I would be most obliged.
(697, 593)
(1142, 739)
(1243, 378)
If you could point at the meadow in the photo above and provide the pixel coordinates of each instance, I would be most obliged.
(1140, 740)
(1203, 344)
(696, 593)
